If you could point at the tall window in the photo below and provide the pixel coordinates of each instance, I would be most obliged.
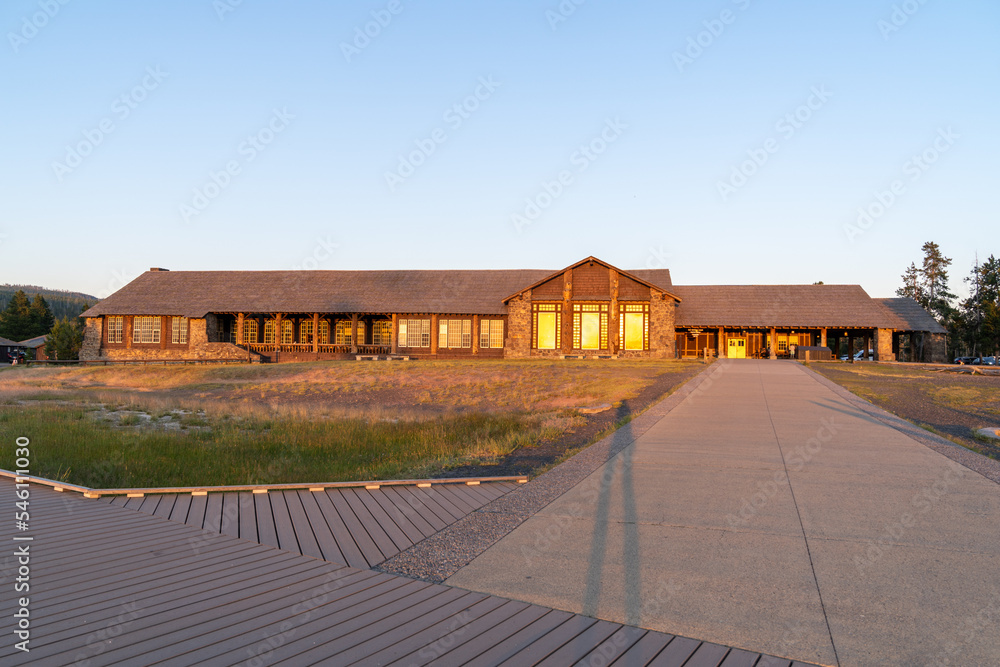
(145, 329)
(324, 332)
(633, 326)
(590, 326)
(382, 332)
(287, 332)
(490, 333)
(415, 333)
(249, 331)
(179, 330)
(344, 333)
(455, 333)
(306, 331)
(115, 328)
(545, 326)
(269, 332)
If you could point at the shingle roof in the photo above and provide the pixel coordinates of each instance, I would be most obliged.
(8, 343)
(195, 293)
(779, 306)
(659, 278)
(910, 315)
(33, 342)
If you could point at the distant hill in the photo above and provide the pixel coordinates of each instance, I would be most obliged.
(61, 302)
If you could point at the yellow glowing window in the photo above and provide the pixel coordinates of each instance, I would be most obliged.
(344, 332)
(546, 331)
(382, 332)
(306, 331)
(324, 332)
(287, 332)
(590, 331)
(635, 324)
(269, 332)
(249, 331)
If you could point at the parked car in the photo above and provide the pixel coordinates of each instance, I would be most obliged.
(984, 361)
(860, 356)
(964, 360)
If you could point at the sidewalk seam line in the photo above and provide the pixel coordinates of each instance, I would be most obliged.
(798, 514)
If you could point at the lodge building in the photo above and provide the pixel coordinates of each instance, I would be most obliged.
(589, 309)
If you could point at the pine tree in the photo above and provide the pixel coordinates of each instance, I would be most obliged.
(981, 311)
(40, 317)
(15, 320)
(934, 278)
(65, 340)
(911, 285)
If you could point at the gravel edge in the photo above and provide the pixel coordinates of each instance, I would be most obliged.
(444, 553)
(985, 466)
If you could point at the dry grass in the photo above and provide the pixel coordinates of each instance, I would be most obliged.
(323, 421)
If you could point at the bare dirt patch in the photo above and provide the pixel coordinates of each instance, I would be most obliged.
(955, 405)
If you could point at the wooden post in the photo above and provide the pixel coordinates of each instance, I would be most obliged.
(722, 352)
(434, 334)
(566, 317)
(850, 348)
(613, 343)
(395, 334)
(277, 330)
(354, 333)
(239, 329)
(316, 333)
(127, 326)
(822, 337)
(773, 345)
(165, 330)
(475, 334)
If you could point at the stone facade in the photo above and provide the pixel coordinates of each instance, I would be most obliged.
(517, 344)
(935, 348)
(93, 331)
(199, 347)
(662, 339)
(883, 345)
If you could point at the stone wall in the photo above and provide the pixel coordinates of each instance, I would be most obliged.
(93, 331)
(662, 339)
(936, 348)
(883, 345)
(517, 344)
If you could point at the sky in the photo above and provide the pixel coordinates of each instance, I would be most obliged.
(731, 141)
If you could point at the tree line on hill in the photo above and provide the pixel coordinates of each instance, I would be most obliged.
(23, 318)
(973, 323)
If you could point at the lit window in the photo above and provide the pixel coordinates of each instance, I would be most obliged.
(249, 331)
(287, 332)
(590, 326)
(344, 332)
(455, 333)
(547, 332)
(415, 333)
(633, 326)
(145, 329)
(382, 332)
(306, 331)
(324, 332)
(115, 328)
(490, 333)
(179, 330)
(269, 332)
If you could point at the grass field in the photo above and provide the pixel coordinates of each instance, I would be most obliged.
(950, 404)
(138, 426)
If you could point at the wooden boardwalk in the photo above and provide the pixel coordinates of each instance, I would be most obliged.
(116, 587)
(353, 526)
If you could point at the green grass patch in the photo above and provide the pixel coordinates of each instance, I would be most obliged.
(100, 454)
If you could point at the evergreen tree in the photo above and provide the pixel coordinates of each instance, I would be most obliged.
(934, 281)
(65, 340)
(912, 286)
(981, 311)
(40, 316)
(15, 320)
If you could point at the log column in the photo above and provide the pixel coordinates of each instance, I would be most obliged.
(721, 351)
(822, 337)
(239, 329)
(773, 344)
(613, 343)
(566, 316)
(316, 333)
(475, 334)
(395, 335)
(354, 333)
(434, 334)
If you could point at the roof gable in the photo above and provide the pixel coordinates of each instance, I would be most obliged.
(642, 276)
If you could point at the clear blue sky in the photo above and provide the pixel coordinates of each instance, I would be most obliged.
(117, 114)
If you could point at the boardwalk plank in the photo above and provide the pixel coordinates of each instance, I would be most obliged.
(575, 649)
(550, 642)
(248, 517)
(166, 505)
(361, 537)
(181, 506)
(707, 655)
(740, 658)
(676, 652)
(374, 527)
(399, 539)
(416, 510)
(300, 523)
(283, 522)
(412, 531)
(612, 648)
(196, 511)
(643, 651)
(213, 513)
(352, 554)
(231, 511)
(321, 529)
(266, 533)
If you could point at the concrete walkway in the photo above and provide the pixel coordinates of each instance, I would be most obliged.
(767, 512)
